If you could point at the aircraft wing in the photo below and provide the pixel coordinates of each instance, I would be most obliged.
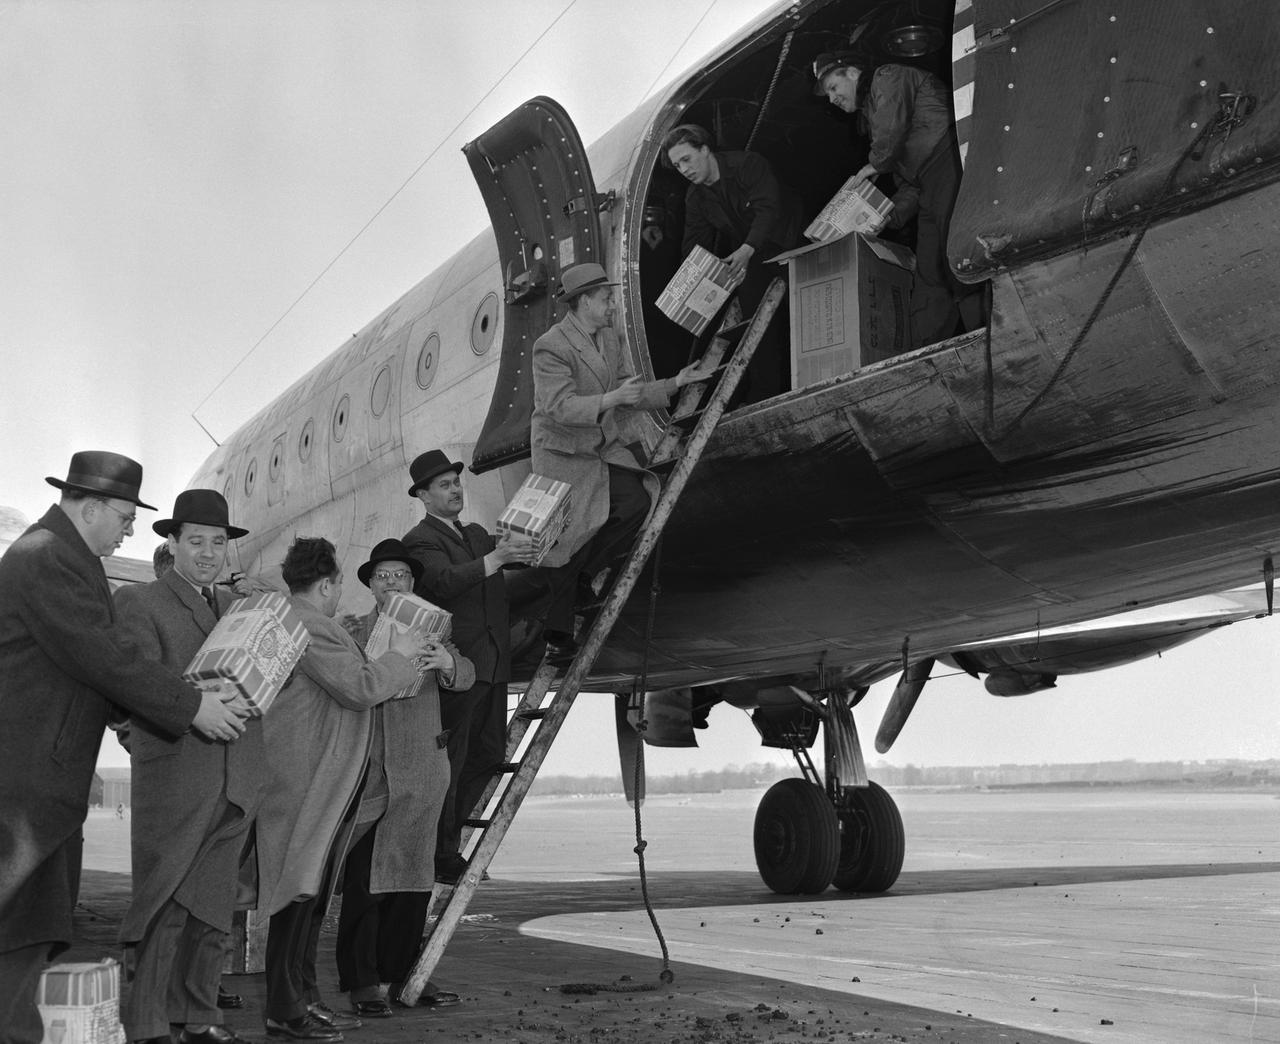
(121, 570)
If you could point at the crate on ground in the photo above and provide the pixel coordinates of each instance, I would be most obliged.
(539, 510)
(254, 646)
(697, 291)
(80, 1003)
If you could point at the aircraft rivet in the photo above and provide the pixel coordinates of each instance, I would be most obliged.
(1100, 134)
(1194, 125)
(995, 202)
(1088, 167)
(1106, 97)
(999, 170)
(1010, 86)
(1113, 18)
(1209, 30)
(1113, 59)
(1013, 50)
(1006, 128)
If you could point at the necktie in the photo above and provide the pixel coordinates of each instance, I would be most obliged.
(462, 535)
(213, 602)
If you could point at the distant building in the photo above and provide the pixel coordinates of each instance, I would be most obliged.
(116, 787)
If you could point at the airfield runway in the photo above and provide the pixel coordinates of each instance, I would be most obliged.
(1116, 914)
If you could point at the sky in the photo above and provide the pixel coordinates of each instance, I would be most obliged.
(180, 177)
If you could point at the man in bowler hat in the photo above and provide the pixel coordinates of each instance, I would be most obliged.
(66, 667)
(462, 572)
(193, 801)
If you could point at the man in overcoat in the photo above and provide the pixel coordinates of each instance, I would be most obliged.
(318, 736)
(193, 801)
(387, 882)
(461, 570)
(586, 400)
(66, 667)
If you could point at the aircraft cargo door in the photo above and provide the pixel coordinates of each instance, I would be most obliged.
(533, 173)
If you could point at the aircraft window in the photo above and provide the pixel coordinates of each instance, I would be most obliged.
(381, 392)
(428, 360)
(340, 418)
(250, 475)
(484, 327)
(304, 440)
(277, 457)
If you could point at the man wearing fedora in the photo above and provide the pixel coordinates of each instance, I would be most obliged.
(462, 571)
(66, 667)
(193, 801)
(386, 886)
(586, 402)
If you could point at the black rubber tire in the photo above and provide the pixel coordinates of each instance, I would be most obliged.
(797, 838)
(872, 841)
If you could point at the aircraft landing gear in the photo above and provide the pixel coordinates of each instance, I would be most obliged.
(807, 835)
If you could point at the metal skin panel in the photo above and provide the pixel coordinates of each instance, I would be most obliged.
(533, 172)
(1143, 80)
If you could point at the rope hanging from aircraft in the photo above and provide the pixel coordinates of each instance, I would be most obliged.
(376, 214)
(666, 976)
(773, 83)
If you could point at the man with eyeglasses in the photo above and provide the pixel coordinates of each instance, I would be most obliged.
(462, 571)
(66, 667)
(386, 886)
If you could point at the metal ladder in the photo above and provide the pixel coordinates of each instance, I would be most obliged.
(452, 903)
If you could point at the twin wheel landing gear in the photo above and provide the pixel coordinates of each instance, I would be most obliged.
(848, 833)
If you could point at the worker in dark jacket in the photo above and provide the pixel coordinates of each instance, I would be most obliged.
(908, 117)
(736, 208)
(64, 663)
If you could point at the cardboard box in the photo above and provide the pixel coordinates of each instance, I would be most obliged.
(80, 1003)
(697, 291)
(404, 612)
(256, 645)
(540, 510)
(850, 306)
(858, 207)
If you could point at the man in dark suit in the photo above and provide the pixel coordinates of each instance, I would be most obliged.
(193, 801)
(64, 662)
(462, 572)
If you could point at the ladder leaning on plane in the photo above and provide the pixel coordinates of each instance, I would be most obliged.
(518, 776)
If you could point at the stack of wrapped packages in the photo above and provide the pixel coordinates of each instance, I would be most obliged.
(255, 647)
(405, 612)
(540, 511)
(858, 207)
(697, 291)
(80, 1003)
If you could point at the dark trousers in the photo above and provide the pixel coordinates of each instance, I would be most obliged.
(628, 507)
(477, 725)
(378, 934)
(20, 969)
(178, 965)
(293, 934)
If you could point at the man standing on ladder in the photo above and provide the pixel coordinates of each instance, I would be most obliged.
(585, 401)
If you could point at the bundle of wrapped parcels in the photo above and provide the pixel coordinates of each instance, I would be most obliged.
(858, 207)
(80, 1003)
(255, 647)
(539, 510)
(405, 612)
(698, 290)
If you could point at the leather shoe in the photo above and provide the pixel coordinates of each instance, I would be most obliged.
(229, 1000)
(450, 868)
(372, 1009)
(304, 1027)
(431, 997)
(335, 1019)
(212, 1035)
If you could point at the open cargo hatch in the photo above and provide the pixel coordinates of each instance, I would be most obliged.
(536, 182)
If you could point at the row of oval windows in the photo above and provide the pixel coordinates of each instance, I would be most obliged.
(484, 327)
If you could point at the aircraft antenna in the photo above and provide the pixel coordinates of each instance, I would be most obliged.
(676, 53)
(378, 213)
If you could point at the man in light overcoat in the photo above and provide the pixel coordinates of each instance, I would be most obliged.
(66, 668)
(586, 405)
